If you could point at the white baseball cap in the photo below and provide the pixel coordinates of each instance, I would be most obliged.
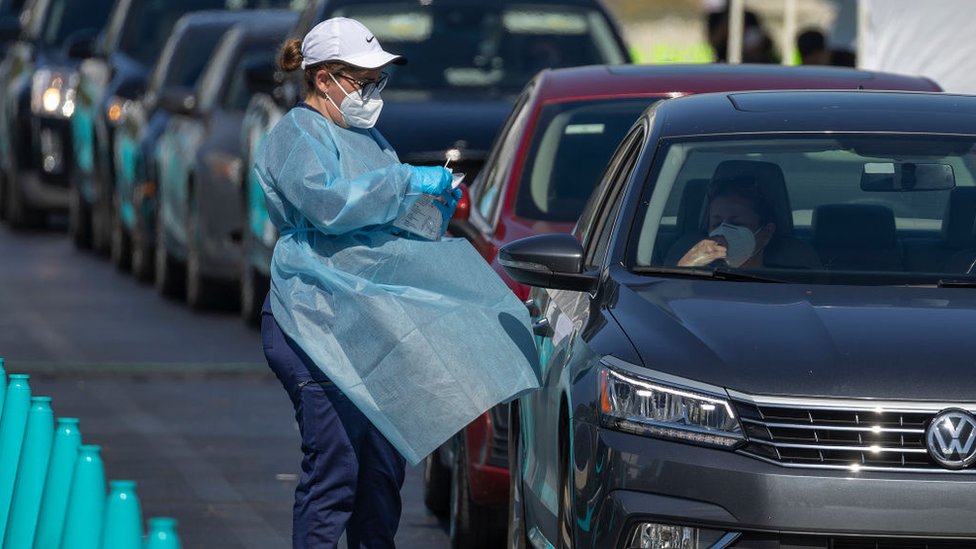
(346, 40)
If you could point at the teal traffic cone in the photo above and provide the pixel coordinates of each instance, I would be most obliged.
(60, 471)
(36, 453)
(12, 425)
(123, 517)
(86, 501)
(162, 534)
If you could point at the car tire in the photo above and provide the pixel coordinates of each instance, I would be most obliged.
(3, 196)
(437, 485)
(170, 276)
(516, 509)
(254, 285)
(79, 216)
(565, 519)
(20, 215)
(202, 292)
(120, 251)
(143, 267)
(471, 526)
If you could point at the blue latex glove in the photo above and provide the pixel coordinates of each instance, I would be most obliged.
(432, 180)
(451, 198)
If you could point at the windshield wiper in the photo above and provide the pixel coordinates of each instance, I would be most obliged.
(718, 273)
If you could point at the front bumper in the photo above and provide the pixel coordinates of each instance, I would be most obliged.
(623, 479)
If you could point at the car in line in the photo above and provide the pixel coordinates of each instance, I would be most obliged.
(39, 78)
(176, 73)
(542, 170)
(199, 221)
(108, 82)
(468, 61)
(815, 396)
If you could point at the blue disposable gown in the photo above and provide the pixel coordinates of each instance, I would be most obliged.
(422, 336)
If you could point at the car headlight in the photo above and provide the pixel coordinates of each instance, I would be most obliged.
(53, 92)
(645, 406)
(115, 108)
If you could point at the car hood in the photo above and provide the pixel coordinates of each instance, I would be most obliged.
(422, 129)
(794, 340)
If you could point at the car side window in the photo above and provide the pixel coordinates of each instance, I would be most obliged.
(621, 166)
(487, 194)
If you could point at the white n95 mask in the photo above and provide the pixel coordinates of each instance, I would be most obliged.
(356, 110)
(741, 243)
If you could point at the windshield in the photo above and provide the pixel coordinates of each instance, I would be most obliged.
(571, 145)
(484, 46)
(149, 22)
(185, 57)
(862, 210)
(68, 17)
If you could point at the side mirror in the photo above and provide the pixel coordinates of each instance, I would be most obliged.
(552, 261)
(463, 210)
(178, 100)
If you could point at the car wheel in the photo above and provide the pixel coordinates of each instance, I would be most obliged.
(472, 526)
(121, 248)
(142, 253)
(565, 540)
(516, 510)
(254, 285)
(170, 276)
(437, 485)
(101, 227)
(3, 194)
(20, 214)
(79, 217)
(199, 292)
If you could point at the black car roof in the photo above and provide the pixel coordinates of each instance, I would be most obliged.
(817, 111)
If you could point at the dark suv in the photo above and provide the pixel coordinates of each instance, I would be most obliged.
(804, 387)
(40, 79)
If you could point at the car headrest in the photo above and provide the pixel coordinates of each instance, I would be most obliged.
(690, 207)
(960, 215)
(770, 179)
(867, 226)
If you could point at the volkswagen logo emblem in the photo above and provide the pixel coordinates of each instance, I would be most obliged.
(951, 438)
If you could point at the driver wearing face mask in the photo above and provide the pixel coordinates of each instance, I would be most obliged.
(740, 226)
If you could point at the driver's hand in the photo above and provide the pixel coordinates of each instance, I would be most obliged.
(703, 253)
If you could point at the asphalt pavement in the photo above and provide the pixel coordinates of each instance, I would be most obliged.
(180, 402)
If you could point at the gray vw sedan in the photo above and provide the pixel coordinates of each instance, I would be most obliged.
(760, 334)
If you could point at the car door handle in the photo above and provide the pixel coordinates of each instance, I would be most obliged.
(533, 308)
(542, 328)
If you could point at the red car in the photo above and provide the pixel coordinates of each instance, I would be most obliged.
(549, 156)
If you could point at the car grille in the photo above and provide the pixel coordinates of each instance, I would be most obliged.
(821, 435)
(759, 540)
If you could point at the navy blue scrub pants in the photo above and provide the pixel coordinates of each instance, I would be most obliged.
(351, 475)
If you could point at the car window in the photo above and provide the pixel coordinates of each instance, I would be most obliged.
(65, 18)
(176, 66)
(259, 57)
(486, 194)
(850, 209)
(149, 22)
(619, 171)
(485, 46)
(570, 147)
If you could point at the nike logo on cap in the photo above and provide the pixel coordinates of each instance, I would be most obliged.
(371, 38)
